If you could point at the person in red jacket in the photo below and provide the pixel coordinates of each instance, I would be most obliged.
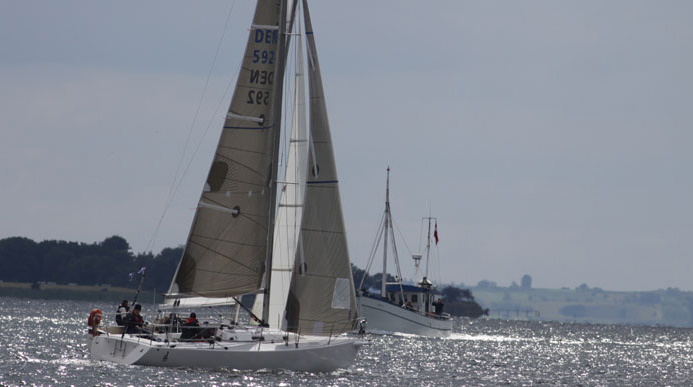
(190, 328)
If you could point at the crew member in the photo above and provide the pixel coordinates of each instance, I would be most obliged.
(190, 327)
(134, 322)
(122, 312)
(438, 307)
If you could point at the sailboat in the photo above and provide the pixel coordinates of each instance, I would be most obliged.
(400, 307)
(239, 244)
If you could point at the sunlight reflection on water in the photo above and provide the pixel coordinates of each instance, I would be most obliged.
(45, 345)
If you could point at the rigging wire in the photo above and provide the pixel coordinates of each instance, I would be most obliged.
(439, 278)
(394, 251)
(374, 248)
(401, 236)
(178, 176)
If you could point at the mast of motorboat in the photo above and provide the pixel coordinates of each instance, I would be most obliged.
(277, 107)
(386, 234)
(428, 243)
(425, 283)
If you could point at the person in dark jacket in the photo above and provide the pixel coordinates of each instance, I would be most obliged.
(134, 322)
(438, 307)
(190, 328)
(122, 312)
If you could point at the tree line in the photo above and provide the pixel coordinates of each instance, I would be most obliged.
(108, 262)
(112, 262)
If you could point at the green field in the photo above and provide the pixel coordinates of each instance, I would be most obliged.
(661, 307)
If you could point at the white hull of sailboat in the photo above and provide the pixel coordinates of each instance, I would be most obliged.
(317, 354)
(384, 317)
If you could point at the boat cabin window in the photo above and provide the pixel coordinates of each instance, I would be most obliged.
(414, 298)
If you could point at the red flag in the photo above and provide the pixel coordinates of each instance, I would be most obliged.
(435, 233)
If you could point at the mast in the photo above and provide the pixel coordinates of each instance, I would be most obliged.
(290, 208)
(425, 283)
(428, 244)
(386, 234)
(277, 103)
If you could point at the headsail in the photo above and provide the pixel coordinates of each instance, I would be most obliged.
(321, 298)
(226, 250)
(288, 218)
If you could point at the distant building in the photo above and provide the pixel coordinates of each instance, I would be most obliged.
(486, 284)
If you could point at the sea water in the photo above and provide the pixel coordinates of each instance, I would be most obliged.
(43, 343)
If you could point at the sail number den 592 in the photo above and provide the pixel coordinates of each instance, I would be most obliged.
(260, 77)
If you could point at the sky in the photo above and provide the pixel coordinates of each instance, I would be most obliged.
(549, 138)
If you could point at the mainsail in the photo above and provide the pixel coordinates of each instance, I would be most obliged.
(227, 247)
(321, 298)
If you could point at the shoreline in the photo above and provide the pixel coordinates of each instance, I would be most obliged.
(52, 291)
